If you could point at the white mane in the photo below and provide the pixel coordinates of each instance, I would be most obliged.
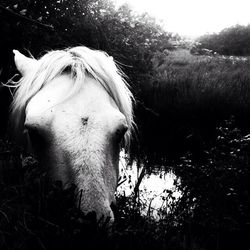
(78, 62)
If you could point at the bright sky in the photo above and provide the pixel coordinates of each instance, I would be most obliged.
(195, 17)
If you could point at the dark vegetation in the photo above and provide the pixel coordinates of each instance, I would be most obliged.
(212, 213)
(184, 104)
(230, 41)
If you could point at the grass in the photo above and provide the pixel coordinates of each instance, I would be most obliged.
(187, 97)
(37, 214)
(194, 77)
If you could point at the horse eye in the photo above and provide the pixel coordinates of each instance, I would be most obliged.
(33, 132)
(36, 137)
(84, 121)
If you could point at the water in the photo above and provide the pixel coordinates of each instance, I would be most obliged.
(155, 189)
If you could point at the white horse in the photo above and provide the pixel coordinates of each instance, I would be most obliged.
(76, 110)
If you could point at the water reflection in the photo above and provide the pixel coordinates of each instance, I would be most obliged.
(156, 191)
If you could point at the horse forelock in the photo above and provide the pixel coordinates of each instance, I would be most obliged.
(77, 62)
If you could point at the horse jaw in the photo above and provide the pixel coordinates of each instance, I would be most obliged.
(23, 63)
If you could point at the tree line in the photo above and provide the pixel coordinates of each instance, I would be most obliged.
(230, 41)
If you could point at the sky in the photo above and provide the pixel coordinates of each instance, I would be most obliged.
(193, 18)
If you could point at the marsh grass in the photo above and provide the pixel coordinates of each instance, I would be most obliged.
(211, 214)
(192, 79)
(187, 97)
(37, 213)
(183, 103)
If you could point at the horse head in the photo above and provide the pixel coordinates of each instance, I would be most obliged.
(74, 108)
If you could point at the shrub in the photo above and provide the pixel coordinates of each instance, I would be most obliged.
(215, 191)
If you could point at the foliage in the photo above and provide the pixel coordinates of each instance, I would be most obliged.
(188, 97)
(215, 191)
(36, 213)
(230, 41)
(181, 99)
(211, 213)
(131, 38)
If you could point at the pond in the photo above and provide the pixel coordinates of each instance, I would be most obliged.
(156, 190)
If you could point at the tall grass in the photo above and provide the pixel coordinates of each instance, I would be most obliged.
(188, 96)
(211, 214)
(186, 79)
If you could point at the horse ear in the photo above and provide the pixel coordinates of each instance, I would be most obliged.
(23, 63)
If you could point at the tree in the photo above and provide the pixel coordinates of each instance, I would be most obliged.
(230, 41)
